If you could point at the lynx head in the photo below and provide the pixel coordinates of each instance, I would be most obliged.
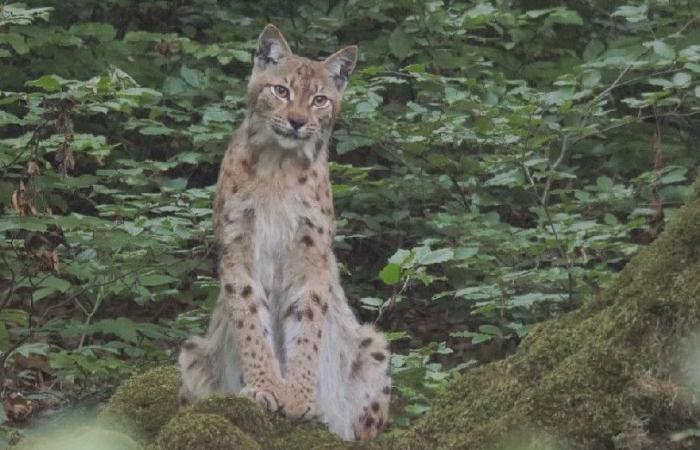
(292, 100)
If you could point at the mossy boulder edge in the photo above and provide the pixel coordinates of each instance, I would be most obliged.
(144, 404)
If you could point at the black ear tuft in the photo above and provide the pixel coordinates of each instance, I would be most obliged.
(340, 65)
(272, 47)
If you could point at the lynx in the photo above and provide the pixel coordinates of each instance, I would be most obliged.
(282, 332)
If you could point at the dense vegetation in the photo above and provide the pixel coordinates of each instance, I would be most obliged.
(496, 163)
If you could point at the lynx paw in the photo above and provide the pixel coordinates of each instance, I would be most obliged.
(374, 417)
(266, 398)
(300, 409)
(370, 424)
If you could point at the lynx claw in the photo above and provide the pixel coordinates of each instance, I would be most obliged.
(267, 399)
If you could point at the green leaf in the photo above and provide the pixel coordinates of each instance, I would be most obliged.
(51, 83)
(16, 316)
(490, 329)
(536, 13)
(142, 96)
(482, 9)
(34, 348)
(41, 293)
(122, 327)
(390, 274)
(565, 16)
(400, 43)
(8, 119)
(348, 142)
(4, 338)
(392, 336)
(476, 338)
(156, 130)
(193, 77)
(22, 223)
(18, 14)
(175, 184)
(661, 48)
(681, 79)
(372, 302)
(462, 253)
(400, 256)
(511, 177)
(436, 256)
(481, 292)
(156, 280)
(216, 114)
(416, 409)
(57, 284)
(103, 32)
(16, 41)
(686, 435)
(529, 299)
(677, 175)
(49, 286)
(591, 78)
(633, 14)
(605, 184)
(593, 50)
(662, 82)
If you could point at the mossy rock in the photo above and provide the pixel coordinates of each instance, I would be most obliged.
(604, 376)
(271, 431)
(304, 436)
(245, 414)
(198, 431)
(82, 438)
(144, 404)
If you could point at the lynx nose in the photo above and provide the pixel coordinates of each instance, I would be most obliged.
(297, 122)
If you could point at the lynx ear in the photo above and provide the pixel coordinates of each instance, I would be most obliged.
(271, 47)
(340, 65)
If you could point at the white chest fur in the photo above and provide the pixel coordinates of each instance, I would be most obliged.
(276, 222)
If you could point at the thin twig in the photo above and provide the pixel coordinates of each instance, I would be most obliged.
(392, 300)
(548, 184)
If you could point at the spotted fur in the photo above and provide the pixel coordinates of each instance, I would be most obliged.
(282, 332)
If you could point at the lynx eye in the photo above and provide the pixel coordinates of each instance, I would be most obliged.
(320, 101)
(280, 91)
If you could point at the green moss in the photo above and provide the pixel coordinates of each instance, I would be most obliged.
(270, 431)
(82, 438)
(304, 436)
(144, 403)
(245, 414)
(197, 431)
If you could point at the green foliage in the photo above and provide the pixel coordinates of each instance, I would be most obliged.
(496, 163)
(612, 374)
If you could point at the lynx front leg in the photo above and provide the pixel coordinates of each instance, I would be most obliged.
(304, 316)
(249, 312)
